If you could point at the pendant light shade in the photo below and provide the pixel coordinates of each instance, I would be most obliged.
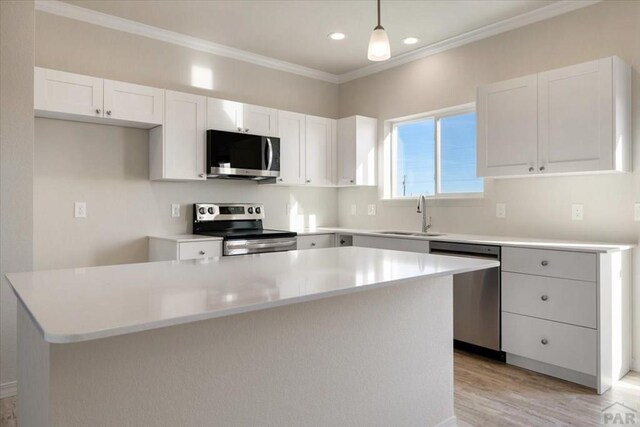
(379, 48)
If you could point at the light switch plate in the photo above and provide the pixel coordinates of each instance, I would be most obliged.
(80, 210)
(577, 212)
(371, 209)
(636, 211)
(175, 210)
(501, 210)
(354, 210)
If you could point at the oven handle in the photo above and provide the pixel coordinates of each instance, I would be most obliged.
(269, 153)
(261, 243)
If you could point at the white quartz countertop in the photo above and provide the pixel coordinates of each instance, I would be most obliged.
(81, 304)
(578, 246)
(184, 238)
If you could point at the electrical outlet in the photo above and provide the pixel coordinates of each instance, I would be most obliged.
(636, 211)
(501, 210)
(577, 212)
(80, 210)
(354, 210)
(175, 210)
(371, 209)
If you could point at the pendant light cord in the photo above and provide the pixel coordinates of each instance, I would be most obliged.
(379, 26)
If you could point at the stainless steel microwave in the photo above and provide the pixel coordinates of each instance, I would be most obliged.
(242, 156)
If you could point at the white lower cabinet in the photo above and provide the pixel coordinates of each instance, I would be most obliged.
(169, 249)
(316, 241)
(393, 243)
(567, 314)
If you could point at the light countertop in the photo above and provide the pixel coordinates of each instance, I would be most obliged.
(596, 247)
(81, 304)
(185, 238)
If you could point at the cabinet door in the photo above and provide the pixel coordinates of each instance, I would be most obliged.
(224, 115)
(346, 147)
(575, 106)
(292, 148)
(135, 103)
(184, 136)
(319, 148)
(260, 120)
(507, 141)
(67, 93)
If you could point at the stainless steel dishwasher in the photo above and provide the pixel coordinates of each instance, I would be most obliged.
(476, 300)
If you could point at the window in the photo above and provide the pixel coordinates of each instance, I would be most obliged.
(435, 155)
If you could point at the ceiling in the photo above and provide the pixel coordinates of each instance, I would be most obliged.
(296, 31)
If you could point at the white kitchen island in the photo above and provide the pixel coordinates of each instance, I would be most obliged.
(340, 336)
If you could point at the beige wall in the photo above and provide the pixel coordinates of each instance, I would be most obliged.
(537, 207)
(16, 168)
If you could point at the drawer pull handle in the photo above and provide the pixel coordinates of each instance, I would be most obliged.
(313, 244)
(544, 341)
(202, 252)
(544, 263)
(544, 297)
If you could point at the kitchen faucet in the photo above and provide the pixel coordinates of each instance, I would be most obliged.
(422, 208)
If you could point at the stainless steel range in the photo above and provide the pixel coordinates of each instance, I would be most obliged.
(240, 226)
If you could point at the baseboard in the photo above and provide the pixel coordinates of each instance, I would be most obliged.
(8, 389)
(449, 422)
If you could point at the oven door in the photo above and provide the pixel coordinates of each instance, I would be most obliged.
(242, 155)
(256, 246)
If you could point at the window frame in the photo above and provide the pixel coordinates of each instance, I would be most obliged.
(436, 116)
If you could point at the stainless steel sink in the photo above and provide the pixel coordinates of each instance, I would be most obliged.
(411, 233)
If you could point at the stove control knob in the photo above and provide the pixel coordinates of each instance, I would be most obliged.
(250, 210)
(258, 209)
(202, 211)
(211, 211)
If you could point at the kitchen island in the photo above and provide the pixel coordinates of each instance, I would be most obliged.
(339, 336)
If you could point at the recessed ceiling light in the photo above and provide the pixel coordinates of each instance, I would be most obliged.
(410, 40)
(337, 36)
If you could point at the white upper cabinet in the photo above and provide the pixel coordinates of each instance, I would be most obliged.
(292, 148)
(570, 120)
(508, 127)
(260, 120)
(576, 117)
(62, 95)
(224, 115)
(177, 149)
(356, 151)
(67, 93)
(134, 103)
(234, 116)
(319, 150)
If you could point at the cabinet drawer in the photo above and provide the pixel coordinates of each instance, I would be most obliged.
(566, 265)
(562, 300)
(192, 250)
(316, 241)
(567, 346)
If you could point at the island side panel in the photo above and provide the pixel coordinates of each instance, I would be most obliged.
(377, 358)
(33, 373)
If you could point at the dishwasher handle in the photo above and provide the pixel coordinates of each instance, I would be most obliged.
(464, 250)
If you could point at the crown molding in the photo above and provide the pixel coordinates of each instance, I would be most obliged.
(487, 31)
(121, 24)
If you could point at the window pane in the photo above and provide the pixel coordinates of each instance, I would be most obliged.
(415, 159)
(458, 155)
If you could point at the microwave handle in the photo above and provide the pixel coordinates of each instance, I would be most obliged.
(269, 153)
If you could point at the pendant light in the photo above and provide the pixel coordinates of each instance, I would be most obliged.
(379, 49)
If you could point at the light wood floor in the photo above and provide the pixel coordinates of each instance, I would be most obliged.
(489, 393)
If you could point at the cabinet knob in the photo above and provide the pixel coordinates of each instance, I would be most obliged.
(201, 175)
(541, 168)
(531, 169)
(279, 179)
(239, 129)
(202, 252)
(98, 111)
(544, 341)
(544, 263)
(342, 242)
(108, 112)
(246, 130)
(544, 297)
(308, 181)
(313, 244)
(351, 181)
